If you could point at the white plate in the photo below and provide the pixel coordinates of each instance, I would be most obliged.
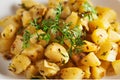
(7, 7)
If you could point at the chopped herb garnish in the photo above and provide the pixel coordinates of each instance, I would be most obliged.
(46, 37)
(35, 24)
(26, 39)
(90, 12)
(52, 26)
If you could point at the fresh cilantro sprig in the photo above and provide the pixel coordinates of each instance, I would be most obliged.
(26, 39)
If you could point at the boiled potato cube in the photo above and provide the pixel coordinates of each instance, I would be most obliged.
(9, 32)
(73, 19)
(116, 26)
(5, 44)
(31, 29)
(88, 47)
(37, 12)
(34, 52)
(97, 72)
(47, 68)
(29, 3)
(9, 20)
(54, 3)
(50, 14)
(57, 53)
(26, 18)
(19, 64)
(16, 47)
(99, 36)
(91, 60)
(113, 36)
(35, 39)
(116, 66)
(108, 51)
(98, 24)
(31, 72)
(71, 73)
(106, 14)
(66, 12)
(86, 69)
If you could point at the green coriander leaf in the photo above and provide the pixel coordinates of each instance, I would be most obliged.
(35, 24)
(58, 12)
(46, 37)
(90, 12)
(26, 39)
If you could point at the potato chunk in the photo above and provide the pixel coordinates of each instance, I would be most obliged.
(38, 40)
(9, 32)
(16, 47)
(19, 64)
(106, 14)
(5, 44)
(34, 52)
(73, 18)
(57, 53)
(116, 66)
(91, 60)
(98, 24)
(87, 71)
(108, 51)
(113, 36)
(26, 18)
(71, 73)
(89, 47)
(29, 3)
(31, 72)
(47, 68)
(98, 72)
(99, 36)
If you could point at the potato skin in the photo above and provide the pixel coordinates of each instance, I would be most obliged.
(57, 53)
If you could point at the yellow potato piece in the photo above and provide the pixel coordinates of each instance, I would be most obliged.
(91, 60)
(71, 73)
(116, 66)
